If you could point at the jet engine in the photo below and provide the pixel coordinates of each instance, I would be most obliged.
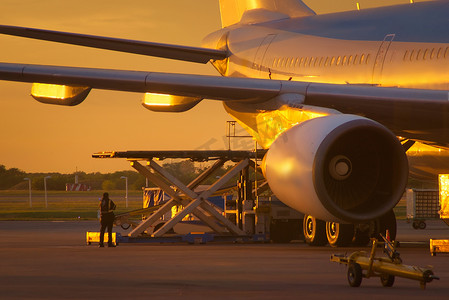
(338, 168)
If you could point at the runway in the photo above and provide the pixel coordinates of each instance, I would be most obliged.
(50, 260)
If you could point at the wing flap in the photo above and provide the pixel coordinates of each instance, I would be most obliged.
(185, 53)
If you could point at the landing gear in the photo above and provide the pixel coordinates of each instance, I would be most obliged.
(384, 223)
(318, 233)
(314, 231)
(339, 235)
(362, 234)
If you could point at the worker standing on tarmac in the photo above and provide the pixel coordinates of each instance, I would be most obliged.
(106, 218)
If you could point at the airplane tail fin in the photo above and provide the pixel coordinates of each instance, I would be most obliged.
(233, 10)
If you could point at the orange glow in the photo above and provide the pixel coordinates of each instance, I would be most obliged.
(92, 122)
(55, 91)
(270, 124)
(154, 99)
(168, 103)
(444, 195)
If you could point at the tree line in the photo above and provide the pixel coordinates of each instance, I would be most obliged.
(13, 178)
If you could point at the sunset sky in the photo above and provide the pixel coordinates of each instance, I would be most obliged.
(44, 138)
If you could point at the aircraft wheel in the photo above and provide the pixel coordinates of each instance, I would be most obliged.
(361, 235)
(339, 235)
(354, 275)
(387, 280)
(314, 231)
(384, 223)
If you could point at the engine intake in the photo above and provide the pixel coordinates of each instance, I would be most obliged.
(340, 168)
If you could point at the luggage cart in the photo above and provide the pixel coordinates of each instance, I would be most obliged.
(387, 268)
(422, 205)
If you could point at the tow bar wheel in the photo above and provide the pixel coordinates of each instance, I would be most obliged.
(387, 280)
(354, 274)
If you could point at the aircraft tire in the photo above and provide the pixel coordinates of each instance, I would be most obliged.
(361, 235)
(314, 231)
(384, 223)
(339, 235)
(387, 280)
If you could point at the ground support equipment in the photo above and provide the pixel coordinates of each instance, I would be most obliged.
(439, 246)
(422, 205)
(387, 268)
(186, 197)
(94, 237)
(442, 245)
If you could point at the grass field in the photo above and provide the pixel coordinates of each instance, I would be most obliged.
(15, 205)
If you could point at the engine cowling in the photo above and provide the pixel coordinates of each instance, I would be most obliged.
(340, 168)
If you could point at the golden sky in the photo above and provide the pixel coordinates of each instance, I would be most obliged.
(44, 138)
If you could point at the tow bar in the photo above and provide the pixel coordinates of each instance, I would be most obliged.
(384, 267)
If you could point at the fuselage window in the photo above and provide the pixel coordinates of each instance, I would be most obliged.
(345, 60)
(405, 55)
(297, 62)
(326, 62)
(292, 63)
(338, 60)
(302, 61)
(440, 51)
(432, 54)
(316, 63)
(418, 54)
(332, 61)
(362, 58)
(312, 60)
(356, 57)
(426, 54)
(446, 54)
(367, 58)
(411, 55)
(350, 60)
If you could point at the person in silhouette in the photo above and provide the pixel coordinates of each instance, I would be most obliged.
(107, 207)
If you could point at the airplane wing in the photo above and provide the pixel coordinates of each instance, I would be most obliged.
(199, 86)
(397, 108)
(185, 53)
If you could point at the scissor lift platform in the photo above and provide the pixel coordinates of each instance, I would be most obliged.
(185, 196)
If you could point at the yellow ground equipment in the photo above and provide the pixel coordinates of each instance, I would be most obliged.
(442, 245)
(387, 268)
(94, 237)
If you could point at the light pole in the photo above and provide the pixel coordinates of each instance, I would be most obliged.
(126, 195)
(45, 188)
(29, 188)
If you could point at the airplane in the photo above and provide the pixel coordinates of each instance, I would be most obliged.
(337, 99)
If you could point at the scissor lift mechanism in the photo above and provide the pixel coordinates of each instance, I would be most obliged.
(184, 195)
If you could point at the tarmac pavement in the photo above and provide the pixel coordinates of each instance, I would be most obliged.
(50, 260)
